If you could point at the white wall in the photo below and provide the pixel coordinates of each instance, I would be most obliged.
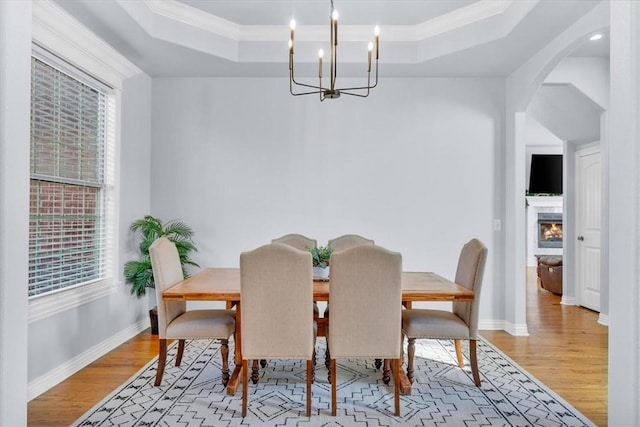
(589, 75)
(624, 216)
(412, 167)
(15, 47)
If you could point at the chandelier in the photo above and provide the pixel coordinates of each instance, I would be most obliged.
(331, 91)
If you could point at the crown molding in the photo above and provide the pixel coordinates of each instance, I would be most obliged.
(59, 32)
(195, 17)
(459, 18)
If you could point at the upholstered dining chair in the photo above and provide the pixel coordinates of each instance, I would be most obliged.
(298, 241)
(302, 243)
(276, 292)
(175, 322)
(347, 241)
(341, 243)
(459, 324)
(372, 276)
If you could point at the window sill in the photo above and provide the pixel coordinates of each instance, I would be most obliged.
(41, 307)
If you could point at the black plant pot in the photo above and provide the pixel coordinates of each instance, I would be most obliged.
(153, 317)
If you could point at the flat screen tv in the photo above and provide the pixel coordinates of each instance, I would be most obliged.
(546, 174)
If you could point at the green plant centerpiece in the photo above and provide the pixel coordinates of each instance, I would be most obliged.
(321, 256)
(138, 273)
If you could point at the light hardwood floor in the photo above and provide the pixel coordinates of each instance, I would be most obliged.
(566, 349)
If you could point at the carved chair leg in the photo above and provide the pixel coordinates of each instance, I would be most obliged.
(474, 362)
(327, 356)
(378, 363)
(411, 351)
(263, 363)
(162, 359)
(386, 372)
(255, 372)
(459, 353)
(313, 369)
(334, 391)
(224, 350)
(180, 352)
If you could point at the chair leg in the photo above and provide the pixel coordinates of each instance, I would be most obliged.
(309, 380)
(327, 356)
(162, 359)
(378, 363)
(180, 352)
(313, 370)
(396, 384)
(224, 350)
(459, 353)
(255, 372)
(411, 351)
(386, 372)
(263, 363)
(334, 391)
(474, 362)
(245, 385)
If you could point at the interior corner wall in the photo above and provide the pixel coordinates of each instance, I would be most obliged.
(624, 216)
(412, 167)
(15, 84)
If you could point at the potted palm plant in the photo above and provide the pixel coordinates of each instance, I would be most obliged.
(138, 273)
(321, 256)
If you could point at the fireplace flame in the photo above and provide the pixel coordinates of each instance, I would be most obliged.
(552, 232)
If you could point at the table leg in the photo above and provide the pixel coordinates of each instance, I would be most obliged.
(232, 386)
(405, 384)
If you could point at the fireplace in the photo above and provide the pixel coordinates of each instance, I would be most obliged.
(549, 230)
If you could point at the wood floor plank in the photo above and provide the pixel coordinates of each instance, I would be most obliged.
(566, 350)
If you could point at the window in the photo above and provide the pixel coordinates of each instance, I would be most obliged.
(71, 177)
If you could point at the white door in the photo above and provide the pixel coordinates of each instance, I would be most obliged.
(588, 223)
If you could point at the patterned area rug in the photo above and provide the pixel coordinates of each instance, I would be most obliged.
(442, 394)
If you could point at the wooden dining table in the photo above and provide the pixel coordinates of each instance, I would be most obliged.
(223, 284)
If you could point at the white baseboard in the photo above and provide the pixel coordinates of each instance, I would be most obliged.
(567, 300)
(490, 325)
(502, 325)
(603, 319)
(64, 371)
(517, 330)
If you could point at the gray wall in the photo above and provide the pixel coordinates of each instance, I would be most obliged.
(412, 166)
(57, 339)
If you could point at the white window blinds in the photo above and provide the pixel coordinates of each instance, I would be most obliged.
(69, 212)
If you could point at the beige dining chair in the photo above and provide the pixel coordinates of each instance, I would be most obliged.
(276, 292)
(372, 276)
(175, 322)
(459, 324)
(347, 241)
(298, 241)
(341, 243)
(302, 243)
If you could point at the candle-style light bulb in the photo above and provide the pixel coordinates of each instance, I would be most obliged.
(292, 24)
(376, 32)
(369, 56)
(334, 19)
(320, 55)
